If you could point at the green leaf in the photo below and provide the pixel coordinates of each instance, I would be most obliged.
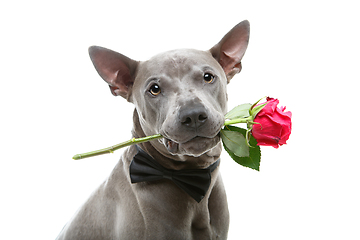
(257, 109)
(240, 111)
(257, 102)
(253, 160)
(235, 142)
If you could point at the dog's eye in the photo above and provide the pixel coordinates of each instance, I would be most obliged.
(155, 89)
(208, 77)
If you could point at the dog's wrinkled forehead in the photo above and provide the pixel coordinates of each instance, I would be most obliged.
(177, 63)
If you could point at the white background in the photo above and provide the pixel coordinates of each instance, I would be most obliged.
(54, 105)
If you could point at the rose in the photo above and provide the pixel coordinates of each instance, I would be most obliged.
(274, 125)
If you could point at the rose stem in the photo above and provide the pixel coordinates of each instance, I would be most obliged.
(140, 140)
(238, 120)
(116, 147)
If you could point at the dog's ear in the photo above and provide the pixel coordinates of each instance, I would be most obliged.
(230, 50)
(116, 69)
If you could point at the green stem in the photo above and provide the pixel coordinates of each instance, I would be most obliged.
(144, 139)
(116, 147)
(238, 120)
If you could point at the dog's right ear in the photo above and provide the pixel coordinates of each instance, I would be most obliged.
(116, 69)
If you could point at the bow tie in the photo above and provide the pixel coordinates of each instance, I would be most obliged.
(194, 182)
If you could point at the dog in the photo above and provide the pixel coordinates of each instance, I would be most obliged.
(180, 94)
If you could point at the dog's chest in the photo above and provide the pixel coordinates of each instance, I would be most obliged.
(173, 214)
(177, 228)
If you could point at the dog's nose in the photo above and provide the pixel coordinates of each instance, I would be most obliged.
(193, 117)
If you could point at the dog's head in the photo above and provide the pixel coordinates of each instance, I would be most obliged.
(180, 94)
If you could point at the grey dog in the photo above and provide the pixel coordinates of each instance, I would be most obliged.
(180, 94)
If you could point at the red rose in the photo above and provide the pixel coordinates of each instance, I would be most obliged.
(275, 125)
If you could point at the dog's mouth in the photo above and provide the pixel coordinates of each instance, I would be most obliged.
(171, 145)
(193, 147)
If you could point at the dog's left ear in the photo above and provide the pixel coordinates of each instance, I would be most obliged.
(230, 50)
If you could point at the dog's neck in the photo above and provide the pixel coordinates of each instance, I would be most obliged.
(168, 160)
